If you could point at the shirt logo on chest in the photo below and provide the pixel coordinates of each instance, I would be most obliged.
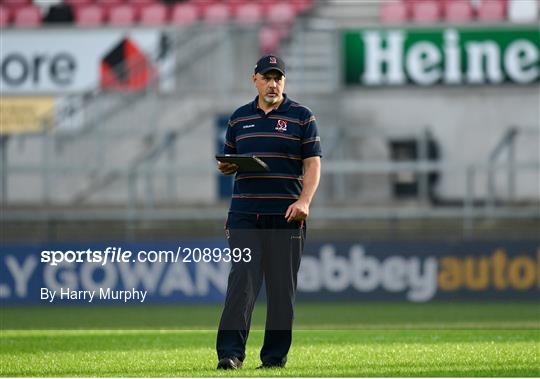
(281, 126)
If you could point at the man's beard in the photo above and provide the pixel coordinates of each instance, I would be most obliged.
(272, 100)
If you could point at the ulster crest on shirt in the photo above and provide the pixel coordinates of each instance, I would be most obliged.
(281, 126)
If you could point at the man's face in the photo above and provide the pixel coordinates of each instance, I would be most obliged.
(270, 86)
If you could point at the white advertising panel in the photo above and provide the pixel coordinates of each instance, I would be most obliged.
(67, 60)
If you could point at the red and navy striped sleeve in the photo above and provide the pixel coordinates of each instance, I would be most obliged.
(229, 147)
(311, 141)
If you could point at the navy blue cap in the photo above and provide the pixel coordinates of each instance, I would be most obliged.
(268, 63)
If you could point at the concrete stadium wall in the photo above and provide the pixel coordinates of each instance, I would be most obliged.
(468, 122)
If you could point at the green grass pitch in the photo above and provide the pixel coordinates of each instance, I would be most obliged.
(330, 340)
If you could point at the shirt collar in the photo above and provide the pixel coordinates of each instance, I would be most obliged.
(283, 107)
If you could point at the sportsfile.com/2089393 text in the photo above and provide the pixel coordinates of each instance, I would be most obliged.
(119, 255)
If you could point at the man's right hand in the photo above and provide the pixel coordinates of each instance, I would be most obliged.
(227, 168)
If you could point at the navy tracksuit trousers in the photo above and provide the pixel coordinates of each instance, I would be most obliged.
(276, 248)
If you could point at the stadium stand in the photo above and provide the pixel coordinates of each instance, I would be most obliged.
(393, 12)
(27, 16)
(153, 14)
(122, 15)
(281, 13)
(143, 2)
(5, 16)
(17, 2)
(202, 4)
(216, 14)
(248, 14)
(110, 2)
(275, 19)
(426, 11)
(302, 5)
(233, 5)
(89, 15)
(491, 11)
(268, 39)
(310, 50)
(75, 3)
(184, 14)
(458, 11)
(157, 12)
(45, 5)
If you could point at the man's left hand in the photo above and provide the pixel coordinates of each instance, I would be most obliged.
(297, 211)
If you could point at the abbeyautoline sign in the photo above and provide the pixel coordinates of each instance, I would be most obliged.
(446, 56)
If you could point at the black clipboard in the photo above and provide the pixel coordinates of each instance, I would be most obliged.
(245, 162)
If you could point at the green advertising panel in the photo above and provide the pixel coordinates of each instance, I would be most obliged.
(448, 56)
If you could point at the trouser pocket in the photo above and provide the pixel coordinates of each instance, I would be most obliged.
(296, 248)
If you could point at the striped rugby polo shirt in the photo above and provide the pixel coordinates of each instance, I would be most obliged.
(282, 138)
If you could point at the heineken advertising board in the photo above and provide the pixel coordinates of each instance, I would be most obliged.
(447, 56)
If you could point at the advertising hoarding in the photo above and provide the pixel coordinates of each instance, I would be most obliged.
(334, 270)
(444, 56)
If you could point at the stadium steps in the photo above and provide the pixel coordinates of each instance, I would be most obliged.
(129, 152)
(310, 58)
(83, 164)
(91, 167)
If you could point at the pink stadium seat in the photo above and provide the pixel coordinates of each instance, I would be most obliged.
(426, 11)
(216, 14)
(154, 14)
(458, 11)
(5, 16)
(16, 2)
(283, 31)
(110, 3)
(27, 16)
(268, 40)
(122, 15)
(249, 14)
(233, 5)
(76, 3)
(184, 14)
(107, 5)
(89, 15)
(301, 5)
(393, 12)
(410, 4)
(202, 4)
(266, 5)
(491, 10)
(281, 13)
(142, 2)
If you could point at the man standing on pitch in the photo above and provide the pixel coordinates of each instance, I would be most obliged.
(267, 214)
